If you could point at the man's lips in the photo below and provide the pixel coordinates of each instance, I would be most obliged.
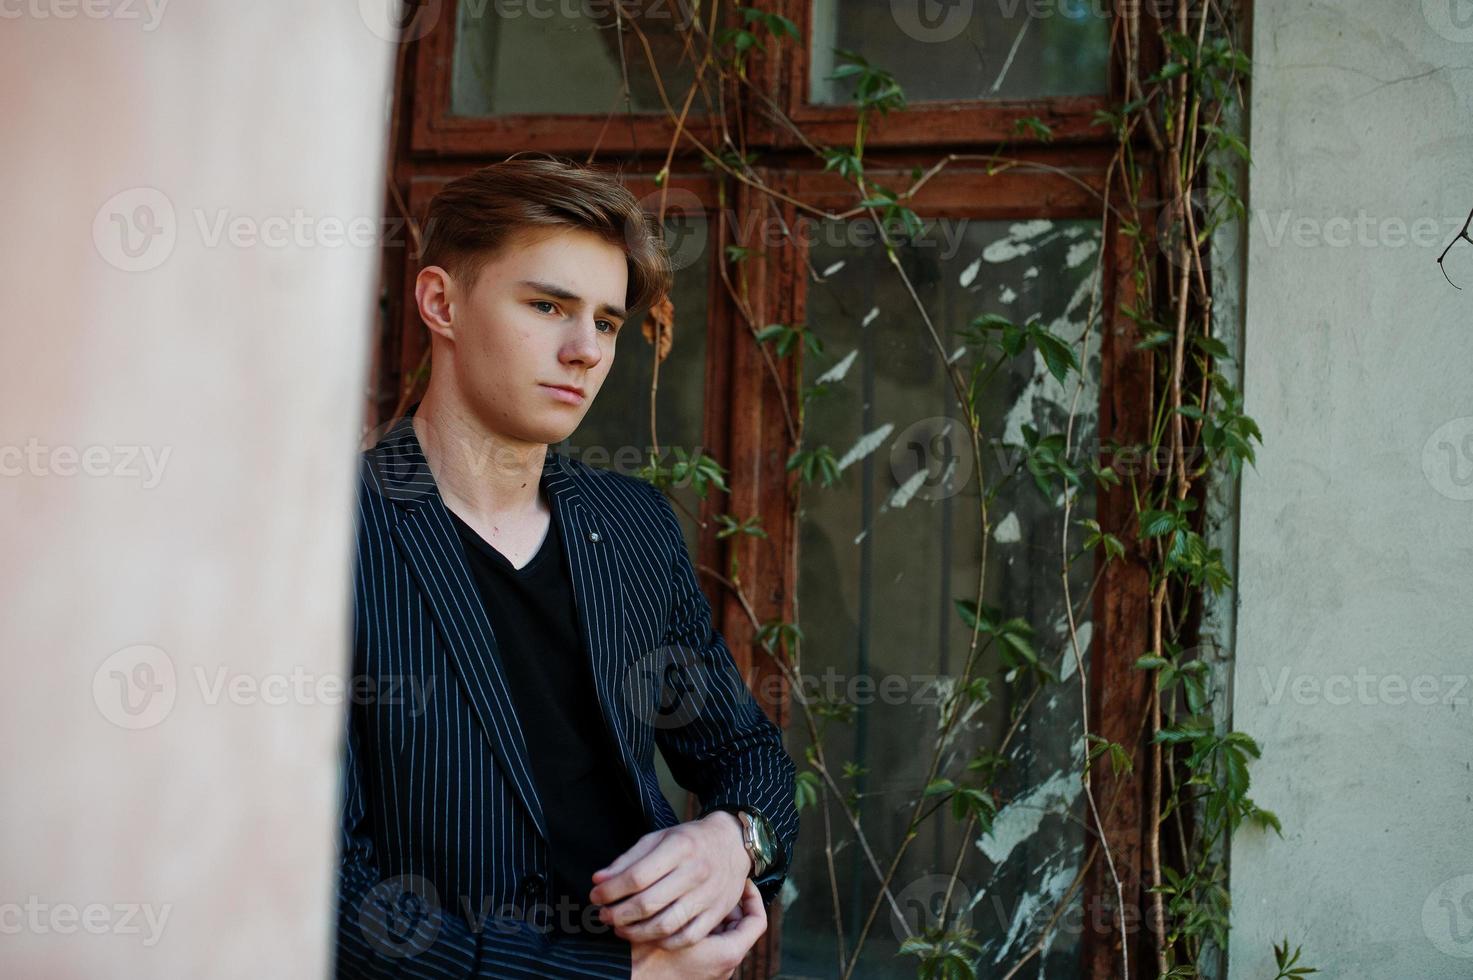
(566, 392)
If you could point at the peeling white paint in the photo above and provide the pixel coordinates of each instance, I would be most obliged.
(1022, 238)
(1043, 388)
(788, 894)
(1078, 252)
(1086, 630)
(957, 354)
(1005, 250)
(861, 536)
(1031, 272)
(969, 274)
(1021, 818)
(907, 490)
(1007, 295)
(833, 268)
(869, 317)
(1029, 229)
(1009, 530)
(837, 372)
(1049, 894)
(1081, 293)
(945, 688)
(867, 444)
(1028, 907)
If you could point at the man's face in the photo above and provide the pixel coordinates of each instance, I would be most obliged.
(544, 312)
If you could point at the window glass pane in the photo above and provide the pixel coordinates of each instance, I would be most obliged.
(563, 56)
(964, 49)
(886, 550)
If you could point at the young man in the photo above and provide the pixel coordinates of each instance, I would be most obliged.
(502, 816)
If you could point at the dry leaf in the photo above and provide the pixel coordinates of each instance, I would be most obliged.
(661, 315)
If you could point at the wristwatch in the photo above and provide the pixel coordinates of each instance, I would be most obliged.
(757, 836)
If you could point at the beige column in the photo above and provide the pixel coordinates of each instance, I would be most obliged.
(192, 198)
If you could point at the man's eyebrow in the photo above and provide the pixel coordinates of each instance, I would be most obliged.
(553, 289)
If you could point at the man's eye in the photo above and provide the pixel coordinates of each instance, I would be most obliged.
(610, 325)
(543, 302)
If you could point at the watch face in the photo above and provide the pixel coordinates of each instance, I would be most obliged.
(764, 838)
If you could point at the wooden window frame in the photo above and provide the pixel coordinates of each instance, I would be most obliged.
(745, 429)
(957, 123)
(434, 129)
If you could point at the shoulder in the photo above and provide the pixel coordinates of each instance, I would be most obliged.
(605, 484)
(622, 498)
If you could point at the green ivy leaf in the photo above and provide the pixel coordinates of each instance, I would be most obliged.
(805, 789)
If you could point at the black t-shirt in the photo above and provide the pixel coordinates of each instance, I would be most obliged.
(592, 815)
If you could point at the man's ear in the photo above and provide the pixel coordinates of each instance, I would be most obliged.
(434, 294)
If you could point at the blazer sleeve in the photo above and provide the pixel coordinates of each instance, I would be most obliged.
(396, 927)
(728, 753)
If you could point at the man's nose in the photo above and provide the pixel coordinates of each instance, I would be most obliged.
(583, 346)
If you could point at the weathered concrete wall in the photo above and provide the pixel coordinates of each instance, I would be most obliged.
(178, 422)
(1356, 549)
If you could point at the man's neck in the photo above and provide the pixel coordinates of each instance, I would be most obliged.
(480, 474)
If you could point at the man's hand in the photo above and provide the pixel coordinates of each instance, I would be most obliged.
(714, 958)
(674, 885)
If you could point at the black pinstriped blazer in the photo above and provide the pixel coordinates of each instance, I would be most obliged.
(443, 846)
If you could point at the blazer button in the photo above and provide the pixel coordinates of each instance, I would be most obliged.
(595, 537)
(533, 884)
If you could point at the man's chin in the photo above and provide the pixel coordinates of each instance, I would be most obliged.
(551, 432)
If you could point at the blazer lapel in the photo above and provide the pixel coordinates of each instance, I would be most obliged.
(591, 549)
(433, 549)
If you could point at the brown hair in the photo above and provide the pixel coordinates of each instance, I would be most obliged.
(474, 216)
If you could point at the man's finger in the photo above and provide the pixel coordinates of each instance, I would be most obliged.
(727, 921)
(635, 870)
(743, 934)
(641, 847)
(754, 917)
(698, 928)
(752, 900)
(648, 903)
